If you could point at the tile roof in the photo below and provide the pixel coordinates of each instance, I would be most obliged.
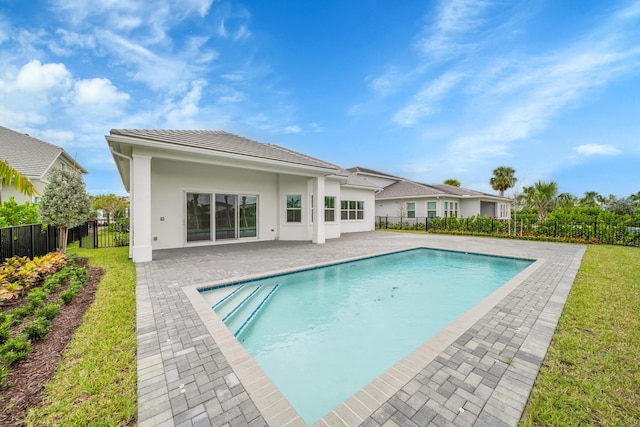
(406, 188)
(30, 156)
(360, 169)
(221, 141)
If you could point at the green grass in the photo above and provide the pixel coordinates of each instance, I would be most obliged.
(95, 384)
(591, 374)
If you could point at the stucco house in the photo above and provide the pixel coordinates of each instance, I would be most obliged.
(410, 199)
(34, 159)
(199, 187)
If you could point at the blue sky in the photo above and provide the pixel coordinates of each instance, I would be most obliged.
(425, 90)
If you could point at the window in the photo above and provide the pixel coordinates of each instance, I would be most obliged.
(451, 209)
(431, 209)
(329, 209)
(411, 210)
(503, 210)
(351, 210)
(294, 208)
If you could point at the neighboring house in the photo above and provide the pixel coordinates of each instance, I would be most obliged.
(410, 199)
(196, 187)
(34, 159)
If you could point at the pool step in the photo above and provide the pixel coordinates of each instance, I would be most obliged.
(256, 311)
(241, 306)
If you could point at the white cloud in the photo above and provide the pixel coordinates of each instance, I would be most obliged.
(35, 77)
(424, 102)
(292, 129)
(597, 149)
(97, 91)
(316, 127)
(448, 34)
(184, 111)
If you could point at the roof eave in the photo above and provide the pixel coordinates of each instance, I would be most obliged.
(168, 148)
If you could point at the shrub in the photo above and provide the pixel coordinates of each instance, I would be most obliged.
(68, 296)
(37, 328)
(4, 371)
(36, 297)
(18, 314)
(49, 311)
(14, 350)
(5, 332)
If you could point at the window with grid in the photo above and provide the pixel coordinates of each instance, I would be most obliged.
(294, 208)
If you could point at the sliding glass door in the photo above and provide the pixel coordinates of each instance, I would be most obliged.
(198, 217)
(235, 216)
(226, 216)
(248, 216)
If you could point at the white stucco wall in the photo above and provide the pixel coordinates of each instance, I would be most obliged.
(368, 224)
(171, 180)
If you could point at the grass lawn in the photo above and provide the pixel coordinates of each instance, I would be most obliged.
(95, 384)
(591, 374)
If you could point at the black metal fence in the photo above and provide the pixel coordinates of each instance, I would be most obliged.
(37, 239)
(106, 236)
(611, 233)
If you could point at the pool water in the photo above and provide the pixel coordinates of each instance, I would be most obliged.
(321, 335)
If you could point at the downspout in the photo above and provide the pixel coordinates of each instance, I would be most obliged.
(131, 221)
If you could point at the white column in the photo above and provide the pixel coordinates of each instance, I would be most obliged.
(141, 206)
(318, 211)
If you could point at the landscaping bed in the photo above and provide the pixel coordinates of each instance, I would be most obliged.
(41, 308)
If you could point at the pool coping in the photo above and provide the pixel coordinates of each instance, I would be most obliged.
(275, 407)
(477, 371)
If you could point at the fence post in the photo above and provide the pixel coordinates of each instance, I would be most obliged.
(33, 243)
(13, 246)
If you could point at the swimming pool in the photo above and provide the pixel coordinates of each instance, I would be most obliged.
(322, 334)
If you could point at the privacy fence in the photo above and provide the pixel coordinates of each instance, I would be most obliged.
(38, 239)
(611, 233)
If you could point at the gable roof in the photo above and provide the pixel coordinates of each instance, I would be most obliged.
(30, 156)
(359, 169)
(225, 142)
(403, 188)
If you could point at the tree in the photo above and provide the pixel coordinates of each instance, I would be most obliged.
(453, 182)
(503, 179)
(65, 203)
(111, 204)
(567, 200)
(11, 177)
(590, 199)
(541, 197)
(624, 206)
(11, 213)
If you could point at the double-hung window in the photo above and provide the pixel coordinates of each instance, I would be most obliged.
(411, 209)
(351, 210)
(294, 208)
(329, 209)
(431, 209)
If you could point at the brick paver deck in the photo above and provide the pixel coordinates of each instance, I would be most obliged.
(477, 372)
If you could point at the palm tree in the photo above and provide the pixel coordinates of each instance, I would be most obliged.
(590, 199)
(453, 182)
(567, 200)
(503, 179)
(11, 177)
(541, 196)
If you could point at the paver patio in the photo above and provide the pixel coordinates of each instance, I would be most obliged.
(477, 372)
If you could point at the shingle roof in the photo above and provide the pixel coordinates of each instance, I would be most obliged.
(28, 155)
(221, 141)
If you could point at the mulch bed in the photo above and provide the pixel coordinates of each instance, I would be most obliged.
(27, 378)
